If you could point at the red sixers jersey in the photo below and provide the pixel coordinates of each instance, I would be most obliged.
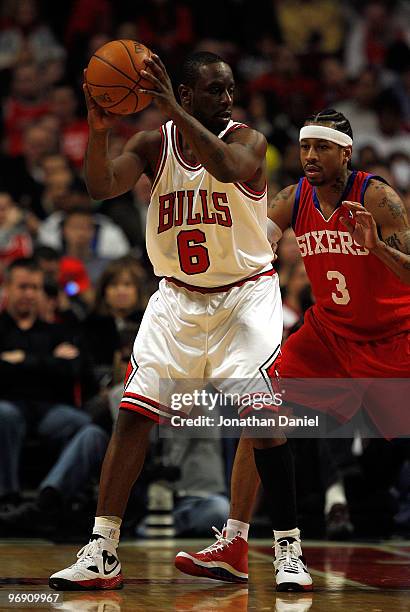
(357, 296)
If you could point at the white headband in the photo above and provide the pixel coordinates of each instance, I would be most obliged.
(325, 133)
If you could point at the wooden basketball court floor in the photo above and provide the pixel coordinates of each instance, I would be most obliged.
(348, 578)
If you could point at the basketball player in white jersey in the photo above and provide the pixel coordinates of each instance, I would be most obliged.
(217, 313)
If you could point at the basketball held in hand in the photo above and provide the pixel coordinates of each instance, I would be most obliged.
(113, 77)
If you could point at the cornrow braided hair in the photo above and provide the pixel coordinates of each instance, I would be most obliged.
(330, 116)
(191, 65)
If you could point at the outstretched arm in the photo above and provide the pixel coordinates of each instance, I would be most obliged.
(384, 211)
(237, 159)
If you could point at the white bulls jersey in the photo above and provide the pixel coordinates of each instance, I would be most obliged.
(199, 230)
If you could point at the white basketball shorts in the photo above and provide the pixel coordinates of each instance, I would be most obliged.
(230, 338)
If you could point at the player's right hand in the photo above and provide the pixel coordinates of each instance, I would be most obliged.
(99, 119)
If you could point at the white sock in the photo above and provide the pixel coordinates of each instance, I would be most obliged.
(236, 528)
(335, 495)
(292, 533)
(107, 528)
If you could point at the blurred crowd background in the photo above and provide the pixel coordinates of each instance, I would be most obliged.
(74, 275)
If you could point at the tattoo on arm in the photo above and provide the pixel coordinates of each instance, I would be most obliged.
(400, 242)
(394, 206)
(398, 258)
(279, 197)
(393, 241)
(386, 198)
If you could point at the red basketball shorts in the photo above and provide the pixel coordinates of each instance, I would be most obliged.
(339, 376)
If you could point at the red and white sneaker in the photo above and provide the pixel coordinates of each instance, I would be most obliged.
(225, 560)
(291, 573)
(98, 567)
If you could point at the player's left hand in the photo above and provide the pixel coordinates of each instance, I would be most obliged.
(162, 90)
(361, 225)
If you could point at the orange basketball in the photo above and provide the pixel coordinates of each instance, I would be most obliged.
(113, 76)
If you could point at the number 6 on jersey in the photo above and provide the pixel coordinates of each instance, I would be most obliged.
(193, 257)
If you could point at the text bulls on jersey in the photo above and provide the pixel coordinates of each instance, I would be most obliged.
(177, 208)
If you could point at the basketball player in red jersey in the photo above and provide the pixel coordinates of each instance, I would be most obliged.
(354, 237)
(217, 312)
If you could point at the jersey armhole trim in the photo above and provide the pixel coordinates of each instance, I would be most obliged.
(296, 203)
(233, 128)
(366, 184)
(251, 193)
(161, 158)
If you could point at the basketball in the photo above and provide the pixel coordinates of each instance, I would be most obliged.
(113, 76)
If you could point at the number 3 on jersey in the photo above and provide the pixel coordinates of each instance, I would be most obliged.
(342, 295)
(193, 256)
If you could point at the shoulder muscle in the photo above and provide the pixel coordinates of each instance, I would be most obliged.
(250, 139)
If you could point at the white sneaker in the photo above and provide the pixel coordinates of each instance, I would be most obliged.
(92, 602)
(291, 573)
(291, 602)
(98, 567)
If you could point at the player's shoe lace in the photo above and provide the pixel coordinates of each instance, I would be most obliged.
(87, 553)
(221, 542)
(288, 559)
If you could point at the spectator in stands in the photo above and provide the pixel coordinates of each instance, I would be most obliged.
(371, 34)
(79, 463)
(118, 302)
(88, 236)
(290, 168)
(23, 176)
(45, 358)
(67, 287)
(400, 167)
(360, 102)
(27, 37)
(88, 17)
(68, 273)
(25, 104)
(401, 89)
(166, 26)
(390, 136)
(74, 130)
(258, 115)
(58, 186)
(52, 74)
(54, 162)
(366, 157)
(285, 80)
(15, 240)
(334, 82)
